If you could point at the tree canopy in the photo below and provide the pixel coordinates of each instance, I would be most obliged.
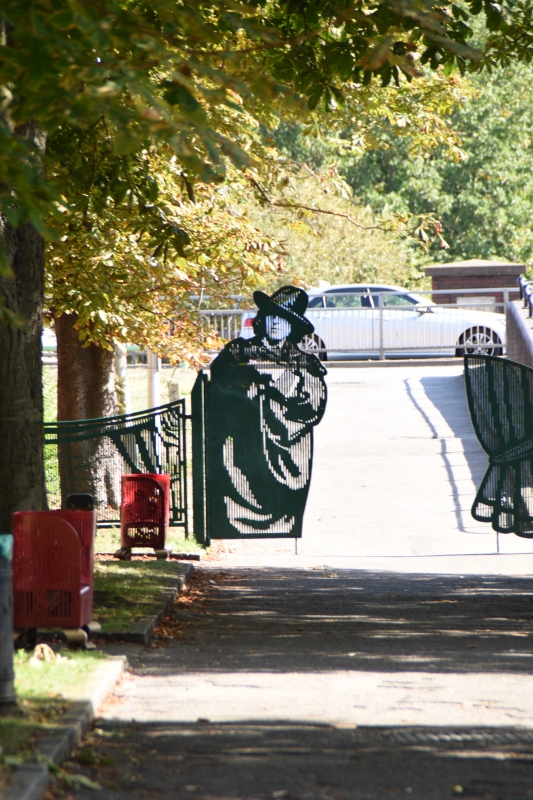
(347, 245)
(141, 101)
(197, 76)
(486, 202)
(189, 91)
(128, 267)
(484, 199)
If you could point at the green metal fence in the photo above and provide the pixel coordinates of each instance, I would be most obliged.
(500, 399)
(91, 455)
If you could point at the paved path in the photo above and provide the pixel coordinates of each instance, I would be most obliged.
(391, 657)
(345, 648)
(396, 469)
(320, 684)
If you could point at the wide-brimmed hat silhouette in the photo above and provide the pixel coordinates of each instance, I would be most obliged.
(289, 303)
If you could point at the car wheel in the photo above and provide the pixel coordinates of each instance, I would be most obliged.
(479, 341)
(314, 344)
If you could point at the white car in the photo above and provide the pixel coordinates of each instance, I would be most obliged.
(349, 320)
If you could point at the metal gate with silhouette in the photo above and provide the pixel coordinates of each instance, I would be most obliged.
(252, 446)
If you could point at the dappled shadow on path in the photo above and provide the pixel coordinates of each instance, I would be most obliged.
(290, 623)
(320, 620)
(245, 761)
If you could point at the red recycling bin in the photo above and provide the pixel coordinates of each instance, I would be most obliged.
(53, 568)
(144, 510)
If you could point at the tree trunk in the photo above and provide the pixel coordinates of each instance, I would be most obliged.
(22, 481)
(86, 390)
(85, 375)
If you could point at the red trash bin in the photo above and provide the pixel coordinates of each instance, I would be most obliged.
(53, 568)
(144, 510)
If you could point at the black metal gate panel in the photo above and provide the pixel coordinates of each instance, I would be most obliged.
(500, 399)
(91, 455)
(253, 420)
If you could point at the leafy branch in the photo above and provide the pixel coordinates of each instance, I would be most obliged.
(398, 225)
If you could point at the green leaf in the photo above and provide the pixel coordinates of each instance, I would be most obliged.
(125, 143)
(78, 782)
(314, 96)
(62, 20)
(181, 234)
(345, 65)
(13, 761)
(338, 95)
(178, 95)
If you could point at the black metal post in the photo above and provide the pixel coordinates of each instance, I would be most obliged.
(201, 533)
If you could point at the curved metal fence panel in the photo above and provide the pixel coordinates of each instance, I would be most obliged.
(91, 455)
(500, 399)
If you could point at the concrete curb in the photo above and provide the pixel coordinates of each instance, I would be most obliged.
(186, 556)
(29, 783)
(30, 780)
(84, 709)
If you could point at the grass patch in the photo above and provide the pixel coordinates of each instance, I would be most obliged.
(126, 591)
(108, 540)
(54, 678)
(42, 699)
(50, 392)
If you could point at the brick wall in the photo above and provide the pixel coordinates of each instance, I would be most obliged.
(440, 282)
(480, 274)
(519, 334)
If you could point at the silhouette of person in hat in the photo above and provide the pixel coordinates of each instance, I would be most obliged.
(265, 397)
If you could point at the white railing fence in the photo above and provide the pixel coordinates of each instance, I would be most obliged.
(386, 327)
(378, 329)
(224, 323)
